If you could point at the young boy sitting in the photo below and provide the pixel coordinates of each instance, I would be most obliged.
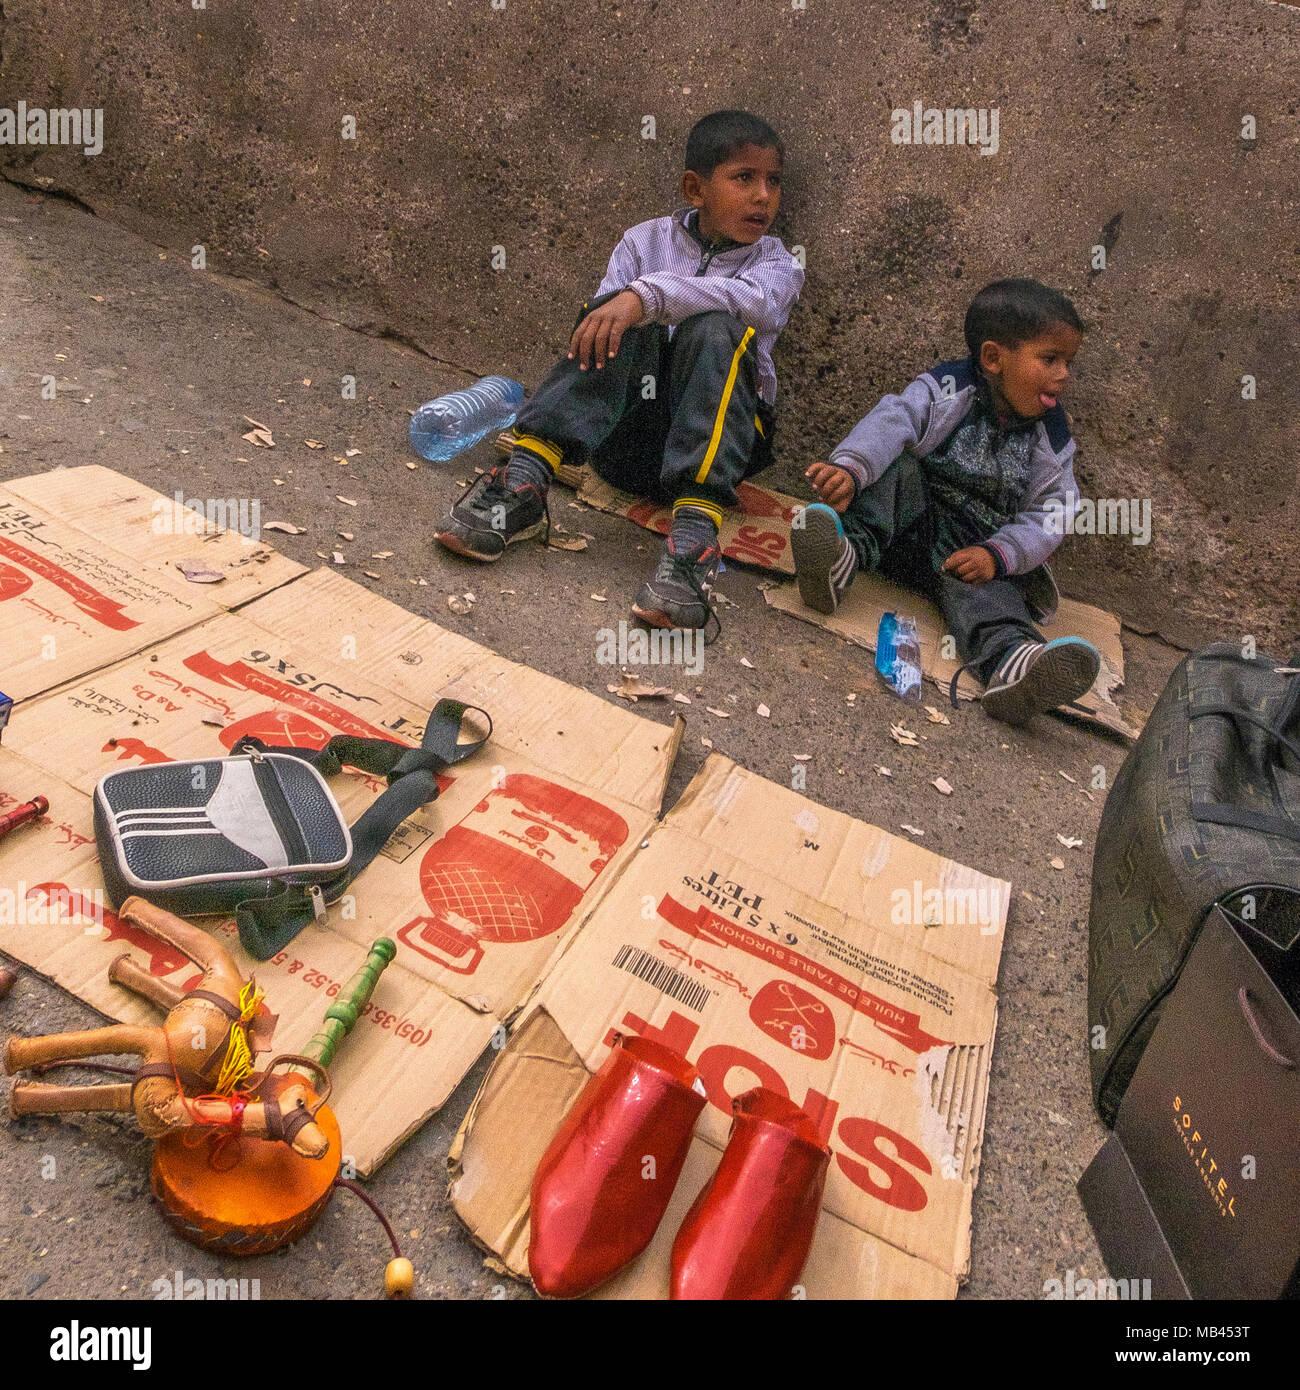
(668, 386)
(956, 488)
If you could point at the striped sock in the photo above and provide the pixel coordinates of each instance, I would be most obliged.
(1015, 663)
(692, 533)
(845, 567)
(527, 469)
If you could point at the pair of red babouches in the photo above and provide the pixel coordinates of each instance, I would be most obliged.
(604, 1184)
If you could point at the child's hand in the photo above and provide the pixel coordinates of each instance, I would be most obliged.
(973, 565)
(833, 485)
(600, 333)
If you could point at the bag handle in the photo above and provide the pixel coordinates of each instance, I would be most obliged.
(267, 925)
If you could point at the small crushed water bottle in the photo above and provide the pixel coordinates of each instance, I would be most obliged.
(898, 657)
(446, 427)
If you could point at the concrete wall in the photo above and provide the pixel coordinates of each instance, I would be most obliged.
(521, 127)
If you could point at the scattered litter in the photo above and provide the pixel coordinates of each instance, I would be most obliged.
(851, 696)
(347, 501)
(721, 713)
(322, 554)
(746, 662)
(200, 572)
(632, 687)
(936, 716)
(347, 535)
(764, 712)
(707, 742)
(352, 453)
(279, 482)
(413, 465)
(912, 829)
(1069, 842)
(600, 598)
(258, 435)
(941, 787)
(286, 526)
(1066, 775)
(723, 600)
(1057, 1119)
(459, 603)
(98, 298)
(682, 699)
(381, 554)
(1057, 863)
(338, 558)
(883, 771)
(313, 443)
(306, 381)
(802, 757)
(562, 540)
(903, 735)
(370, 574)
(507, 591)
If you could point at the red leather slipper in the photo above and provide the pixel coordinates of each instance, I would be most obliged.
(605, 1181)
(750, 1230)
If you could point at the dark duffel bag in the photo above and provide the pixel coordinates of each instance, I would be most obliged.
(1204, 811)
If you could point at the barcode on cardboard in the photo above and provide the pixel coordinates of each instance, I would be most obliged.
(678, 987)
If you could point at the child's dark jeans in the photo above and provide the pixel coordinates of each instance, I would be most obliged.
(677, 419)
(896, 528)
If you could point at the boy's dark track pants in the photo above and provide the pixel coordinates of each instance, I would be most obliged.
(894, 528)
(677, 418)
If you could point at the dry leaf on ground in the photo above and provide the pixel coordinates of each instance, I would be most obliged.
(632, 687)
(936, 716)
(200, 572)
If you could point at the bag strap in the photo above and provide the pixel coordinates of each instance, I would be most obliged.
(267, 925)
(1224, 812)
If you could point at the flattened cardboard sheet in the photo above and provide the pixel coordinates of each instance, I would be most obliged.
(87, 574)
(857, 620)
(774, 942)
(756, 533)
(478, 889)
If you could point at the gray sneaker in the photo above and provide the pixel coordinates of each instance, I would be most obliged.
(489, 516)
(1036, 676)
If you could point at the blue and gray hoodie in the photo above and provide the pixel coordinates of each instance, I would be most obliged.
(927, 411)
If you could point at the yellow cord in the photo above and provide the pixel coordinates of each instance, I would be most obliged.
(239, 1057)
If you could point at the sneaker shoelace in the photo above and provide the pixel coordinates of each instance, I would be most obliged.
(672, 565)
(495, 491)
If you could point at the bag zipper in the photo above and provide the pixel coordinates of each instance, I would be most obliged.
(277, 805)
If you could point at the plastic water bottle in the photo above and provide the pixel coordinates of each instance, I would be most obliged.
(898, 657)
(446, 427)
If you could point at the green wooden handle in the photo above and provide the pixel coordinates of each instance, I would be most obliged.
(343, 1013)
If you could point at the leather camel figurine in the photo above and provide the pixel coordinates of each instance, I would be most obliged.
(204, 1030)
